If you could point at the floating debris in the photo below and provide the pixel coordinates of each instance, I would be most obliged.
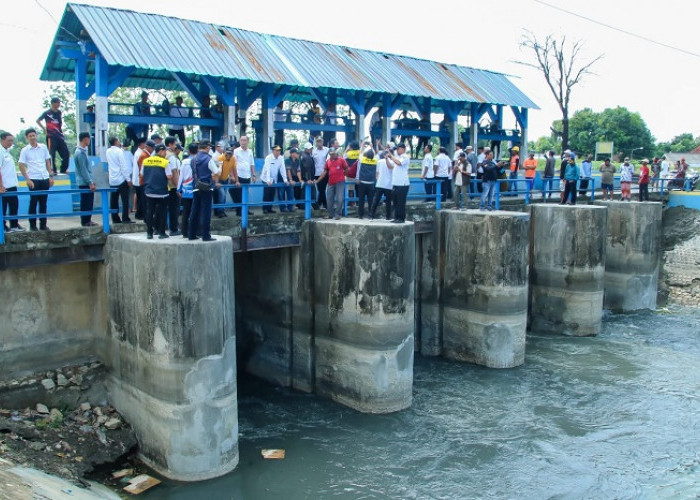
(140, 484)
(273, 454)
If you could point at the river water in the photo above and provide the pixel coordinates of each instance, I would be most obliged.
(613, 416)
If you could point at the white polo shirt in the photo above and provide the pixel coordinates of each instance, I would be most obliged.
(8, 171)
(35, 161)
(429, 163)
(244, 161)
(443, 165)
(320, 156)
(399, 177)
(273, 166)
(384, 178)
(118, 170)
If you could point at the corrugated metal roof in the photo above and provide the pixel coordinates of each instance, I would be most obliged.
(198, 48)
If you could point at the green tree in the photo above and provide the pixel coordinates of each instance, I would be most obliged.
(625, 128)
(682, 143)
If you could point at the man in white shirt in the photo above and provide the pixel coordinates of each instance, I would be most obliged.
(35, 165)
(273, 171)
(245, 167)
(120, 178)
(178, 111)
(173, 150)
(8, 181)
(382, 188)
(399, 164)
(428, 173)
(443, 167)
(320, 156)
(143, 150)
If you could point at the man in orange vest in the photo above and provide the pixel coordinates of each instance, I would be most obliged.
(530, 166)
(514, 166)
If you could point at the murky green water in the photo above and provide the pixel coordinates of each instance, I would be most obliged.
(615, 416)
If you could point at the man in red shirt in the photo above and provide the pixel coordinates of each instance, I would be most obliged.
(644, 181)
(336, 169)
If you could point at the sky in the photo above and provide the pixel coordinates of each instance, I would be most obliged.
(658, 82)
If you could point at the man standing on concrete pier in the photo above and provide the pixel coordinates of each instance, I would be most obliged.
(35, 165)
(335, 171)
(206, 173)
(83, 178)
(156, 175)
(489, 178)
(8, 181)
(120, 178)
(320, 155)
(399, 180)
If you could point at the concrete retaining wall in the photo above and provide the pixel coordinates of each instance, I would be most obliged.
(51, 316)
(171, 351)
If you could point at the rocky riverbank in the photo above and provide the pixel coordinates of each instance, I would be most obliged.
(679, 281)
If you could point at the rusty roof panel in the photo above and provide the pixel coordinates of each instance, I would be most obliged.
(157, 45)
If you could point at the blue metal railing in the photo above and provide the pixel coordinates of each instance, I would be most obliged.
(104, 210)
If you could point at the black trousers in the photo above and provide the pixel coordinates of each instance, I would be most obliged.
(140, 202)
(38, 200)
(123, 193)
(445, 187)
(237, 193)
(321, 186)
(156, 210)
(186, 210)
(429, 189)
(364, 191)
(644, 192)
(87, 202)
(58, 145)
(582, 187)
(173, 209)
(388, 197)
(400, 195)
(180, 134)
(570, 189)
(11, 204)
(268, 195)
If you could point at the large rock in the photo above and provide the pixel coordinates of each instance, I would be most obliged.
(485, 287)
(364, 313)
(171, 351)
(568, 268)
(633, 254)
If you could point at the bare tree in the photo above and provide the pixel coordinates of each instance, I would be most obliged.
(559, 64)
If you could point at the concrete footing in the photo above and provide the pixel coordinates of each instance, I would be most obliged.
(633, 255)
(485, 287)
(567, 268)
(364, 313)
(171, 351)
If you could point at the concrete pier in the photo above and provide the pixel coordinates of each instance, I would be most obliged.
(567, 272)
(364, 313)
(633, 255)
(171, 351)
(485, 287)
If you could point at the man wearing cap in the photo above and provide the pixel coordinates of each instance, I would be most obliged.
(156, 175)
(320, 156)
(335, 171)
(655, 170)
(308, 172)
(398, 164)
(626, 173)
(571, 176)
(83, 178)
(178, 111)
(514, 167)
(644, 181)
(293, 167)
(273, 171)
(173, 156)
(245, 169)
(530, 166)
(205, 171)
(53, 126)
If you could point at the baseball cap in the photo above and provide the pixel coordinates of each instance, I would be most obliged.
(332, 151)
(160, 147)
(276, 148)
(308, 145)
(151, 144)
(293, 150)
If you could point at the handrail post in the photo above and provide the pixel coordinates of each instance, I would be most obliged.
(2, 219)
(498, 195)
(438, 195)
(244, 206)
(105, 210)
(307, 201)
(527, 192)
